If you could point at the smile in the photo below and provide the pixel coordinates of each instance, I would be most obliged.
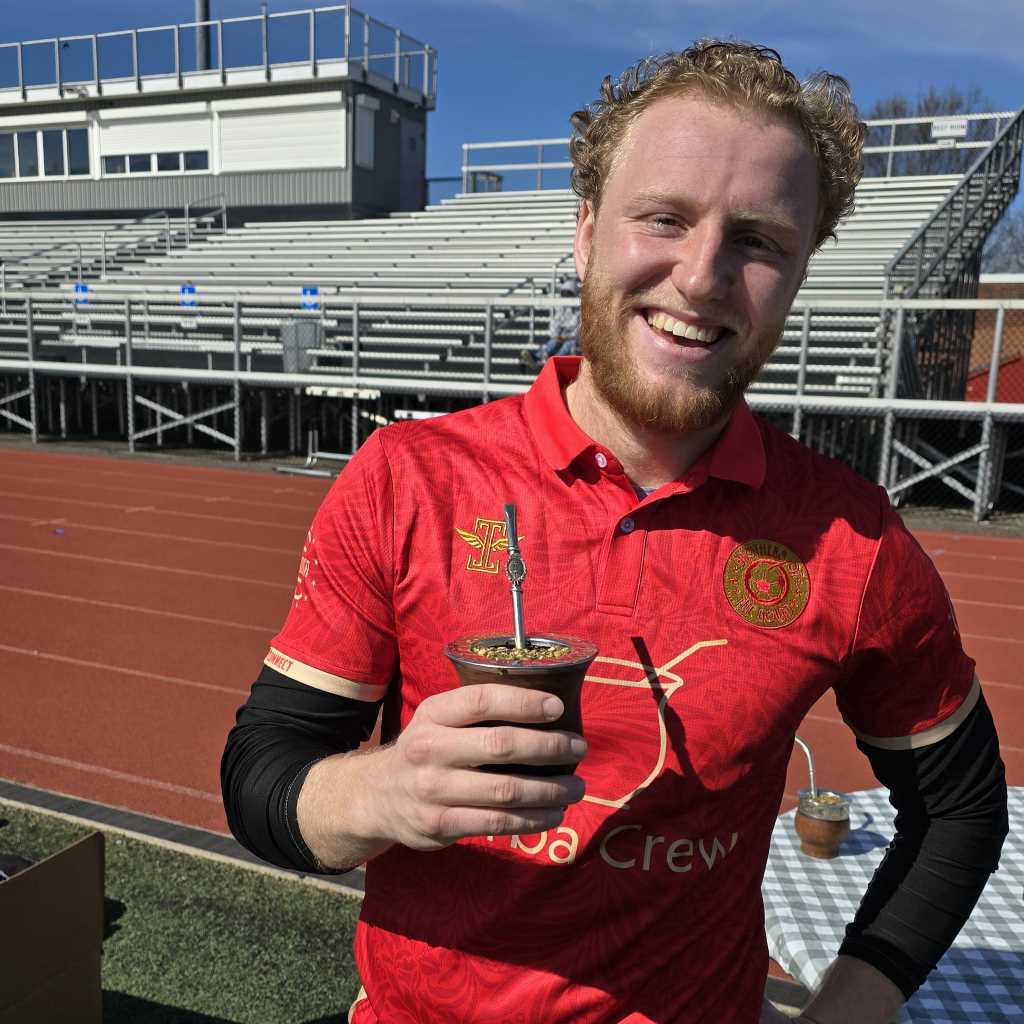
(677, 328)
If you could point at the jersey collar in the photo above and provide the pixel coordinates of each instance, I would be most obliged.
(738, 454)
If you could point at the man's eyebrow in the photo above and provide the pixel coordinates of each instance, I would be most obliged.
(741, 218)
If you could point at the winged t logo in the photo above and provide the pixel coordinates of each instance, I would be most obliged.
(486, 539)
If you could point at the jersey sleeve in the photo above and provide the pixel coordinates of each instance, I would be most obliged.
(907, 682)
(339, 635)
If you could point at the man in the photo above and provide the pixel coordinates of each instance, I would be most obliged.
(728, 575)
(562, 331)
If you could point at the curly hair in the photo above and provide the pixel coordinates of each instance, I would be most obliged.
(741, 75)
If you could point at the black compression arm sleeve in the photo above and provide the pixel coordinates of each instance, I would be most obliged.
(280, 733)
(951, 821)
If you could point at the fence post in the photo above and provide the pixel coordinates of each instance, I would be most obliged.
(355, 342)
(801, 375)
(237, 356)
(983, 499)
(889, 421)
(30, 336)
(129, 387)
(488, 339)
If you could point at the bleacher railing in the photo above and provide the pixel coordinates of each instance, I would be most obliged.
(942, 259)
(310, 38)
(971, 445)
(912, 146)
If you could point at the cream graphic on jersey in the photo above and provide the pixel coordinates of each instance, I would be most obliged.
(306, 564)
(662, 683)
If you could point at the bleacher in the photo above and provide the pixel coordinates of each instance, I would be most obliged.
(479, 248)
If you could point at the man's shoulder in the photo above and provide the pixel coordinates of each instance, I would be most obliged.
(837, 490)
(491, 424)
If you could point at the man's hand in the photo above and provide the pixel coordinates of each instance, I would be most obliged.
(428, 791)
(425, 791)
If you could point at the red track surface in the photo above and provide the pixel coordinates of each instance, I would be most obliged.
(137, 600)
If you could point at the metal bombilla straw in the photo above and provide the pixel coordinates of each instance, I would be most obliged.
(810, 766)
(515, 569)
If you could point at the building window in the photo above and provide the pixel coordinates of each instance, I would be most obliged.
(78, 151)
(198, 160)
(53, 153)
(158, 163)
(28, 155)
(364, 137)
(64, 151)
(7, 164)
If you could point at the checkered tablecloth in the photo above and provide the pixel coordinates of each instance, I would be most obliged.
(808, 903)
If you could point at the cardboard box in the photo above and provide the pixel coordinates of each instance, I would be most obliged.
(51, 938)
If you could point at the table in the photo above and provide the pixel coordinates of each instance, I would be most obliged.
(809, 902)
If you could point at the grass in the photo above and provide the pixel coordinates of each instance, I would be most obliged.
(194, 941)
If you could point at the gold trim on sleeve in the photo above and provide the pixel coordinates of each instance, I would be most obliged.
(915, 741)
(321, 680)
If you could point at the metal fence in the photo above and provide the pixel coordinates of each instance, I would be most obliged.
(895, 147)
(147, 371)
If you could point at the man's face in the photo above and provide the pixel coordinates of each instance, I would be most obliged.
(707, 217)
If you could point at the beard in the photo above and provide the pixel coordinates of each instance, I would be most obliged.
(669, 407)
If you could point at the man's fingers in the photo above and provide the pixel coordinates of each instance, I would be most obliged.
(498, 791)
(469, 705)
(459, 822)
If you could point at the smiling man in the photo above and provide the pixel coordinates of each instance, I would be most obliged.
(729, 576)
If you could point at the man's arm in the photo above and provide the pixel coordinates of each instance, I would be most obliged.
(298, 795)
(950, 798)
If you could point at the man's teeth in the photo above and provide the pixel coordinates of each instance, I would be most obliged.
(705, 335)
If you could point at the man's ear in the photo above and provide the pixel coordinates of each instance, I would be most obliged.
(584, 238)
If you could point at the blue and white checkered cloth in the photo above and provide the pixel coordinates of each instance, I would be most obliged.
(809, 902)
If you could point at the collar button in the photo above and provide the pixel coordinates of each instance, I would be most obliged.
(601, 459)
(627, 525)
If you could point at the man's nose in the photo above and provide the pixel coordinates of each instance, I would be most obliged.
(703, 271)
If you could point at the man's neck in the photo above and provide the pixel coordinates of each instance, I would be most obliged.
(649, 458)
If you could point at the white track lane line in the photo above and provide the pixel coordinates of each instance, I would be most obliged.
(64, 484)
(997, 639)
(988, 604)
(149, 676)
(276, 584)
(238, 520)
(266, 630)
(1016, 580)
(937, 553)
(110, 773)
(290, 552)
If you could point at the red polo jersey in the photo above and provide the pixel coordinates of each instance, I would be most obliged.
(723, 605)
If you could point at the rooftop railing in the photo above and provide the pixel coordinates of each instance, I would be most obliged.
(83, 65)
(896, 147)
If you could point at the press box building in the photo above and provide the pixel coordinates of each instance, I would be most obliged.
(320, 112)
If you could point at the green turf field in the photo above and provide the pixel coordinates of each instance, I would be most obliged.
(194, 941)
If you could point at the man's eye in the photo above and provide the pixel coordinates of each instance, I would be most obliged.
(663, 220)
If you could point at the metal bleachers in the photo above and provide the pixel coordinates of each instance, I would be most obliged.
(481, 248)
(475, 249)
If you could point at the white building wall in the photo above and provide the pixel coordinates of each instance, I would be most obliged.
(284, 138)
(155, 135)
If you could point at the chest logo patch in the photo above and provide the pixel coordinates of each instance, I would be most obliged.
(766, 583)
(487, 538)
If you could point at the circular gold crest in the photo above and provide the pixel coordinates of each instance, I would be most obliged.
(766, 583)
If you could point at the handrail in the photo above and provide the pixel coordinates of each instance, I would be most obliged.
(946, 209)
(400, 56)
(220, 208)
(892, 123)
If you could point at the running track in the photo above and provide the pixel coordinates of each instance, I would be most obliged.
(137, 599)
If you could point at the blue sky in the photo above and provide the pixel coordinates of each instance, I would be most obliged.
(517, 68)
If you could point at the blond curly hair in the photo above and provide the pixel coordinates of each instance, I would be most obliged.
(742, 75)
